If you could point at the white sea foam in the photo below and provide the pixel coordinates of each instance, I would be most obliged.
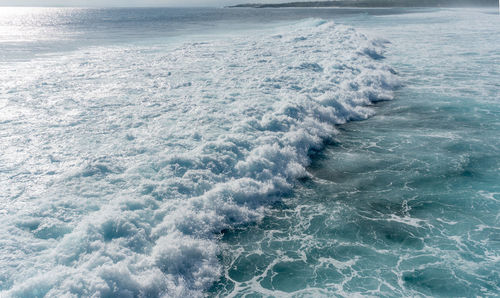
(122, 165)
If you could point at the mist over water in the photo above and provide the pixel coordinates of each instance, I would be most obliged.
(191, 152)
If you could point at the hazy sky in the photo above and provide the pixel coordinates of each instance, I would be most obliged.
(126, 2)
(156, 3)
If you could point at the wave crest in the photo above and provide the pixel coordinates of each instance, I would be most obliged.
(212, 132)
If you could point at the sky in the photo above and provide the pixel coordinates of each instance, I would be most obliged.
(112, 3)
(135, 3)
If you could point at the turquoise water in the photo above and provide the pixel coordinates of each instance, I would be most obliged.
(218, 152)
(406, 203)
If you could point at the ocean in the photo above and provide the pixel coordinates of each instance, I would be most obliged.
(190, 152)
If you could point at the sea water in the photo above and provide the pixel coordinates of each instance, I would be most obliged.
(407, 202)
(191, 152)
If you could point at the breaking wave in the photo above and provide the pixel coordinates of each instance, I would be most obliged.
(139, 156)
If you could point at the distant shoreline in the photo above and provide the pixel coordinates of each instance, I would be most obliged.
(373, 4)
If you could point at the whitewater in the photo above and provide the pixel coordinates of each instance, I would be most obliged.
(405, 203)
(190, 152)
(123, 164)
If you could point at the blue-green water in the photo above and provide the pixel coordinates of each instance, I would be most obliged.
(406, 203)
(243, 152)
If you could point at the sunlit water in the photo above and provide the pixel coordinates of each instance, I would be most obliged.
(183, 152)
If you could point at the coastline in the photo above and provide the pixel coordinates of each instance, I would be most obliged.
(364, 4)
